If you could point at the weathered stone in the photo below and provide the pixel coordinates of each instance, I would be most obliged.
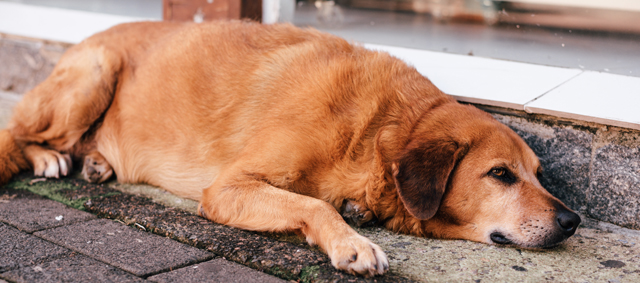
(7, 102)
(19, 249)
(26, 63)
(124, 247)
(217, 270)
(34, 214)
(615, 180)
(565, 155)
(72, 268)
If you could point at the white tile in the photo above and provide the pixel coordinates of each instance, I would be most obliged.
(596, 97)
(56, 24)
(482, 80)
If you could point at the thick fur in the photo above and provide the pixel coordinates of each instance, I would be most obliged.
(275, 128)
(12, 160)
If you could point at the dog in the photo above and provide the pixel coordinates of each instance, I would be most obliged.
(276, 128)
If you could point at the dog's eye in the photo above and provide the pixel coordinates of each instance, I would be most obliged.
(503, 175)
(498, 172)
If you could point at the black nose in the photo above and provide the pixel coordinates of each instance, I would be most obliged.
(568, 222)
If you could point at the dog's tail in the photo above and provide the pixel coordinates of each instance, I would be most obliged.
(12, 159)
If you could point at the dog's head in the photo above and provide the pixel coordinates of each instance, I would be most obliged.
(466, 176)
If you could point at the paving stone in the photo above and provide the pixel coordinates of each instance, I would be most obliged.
(615, 181)
(74, 268)
(25, 63)
(19, 249)
(565, 155)
(119, 245)
(287, 260)
(34, 214)
(217, 270)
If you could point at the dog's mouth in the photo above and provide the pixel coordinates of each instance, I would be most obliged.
(499, 238)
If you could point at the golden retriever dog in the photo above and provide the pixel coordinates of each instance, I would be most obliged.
(276, 128)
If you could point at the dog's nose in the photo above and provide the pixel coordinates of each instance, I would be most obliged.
(568, 222)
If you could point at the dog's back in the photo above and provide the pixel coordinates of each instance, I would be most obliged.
(300, 98)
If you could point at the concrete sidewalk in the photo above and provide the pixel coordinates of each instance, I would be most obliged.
(148, 238)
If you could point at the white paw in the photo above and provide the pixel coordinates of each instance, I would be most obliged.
(51, 164)
(358, 255)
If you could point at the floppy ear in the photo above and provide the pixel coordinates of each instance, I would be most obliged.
(421, 175)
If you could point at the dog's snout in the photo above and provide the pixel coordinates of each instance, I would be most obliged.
(568, 222)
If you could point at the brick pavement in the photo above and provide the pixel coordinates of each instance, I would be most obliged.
(46, 241)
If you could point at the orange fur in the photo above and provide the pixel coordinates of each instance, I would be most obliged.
(12, 159)
(274, 128)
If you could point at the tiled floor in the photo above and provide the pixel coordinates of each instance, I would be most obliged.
(603, 98)
(481, 80)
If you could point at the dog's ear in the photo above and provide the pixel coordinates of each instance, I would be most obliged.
(422, 173)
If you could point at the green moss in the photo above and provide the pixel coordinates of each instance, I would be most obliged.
(309, 273)
(52, 190)
(275, 271)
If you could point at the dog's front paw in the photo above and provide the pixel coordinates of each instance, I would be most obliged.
(96, 169)
(358, 255)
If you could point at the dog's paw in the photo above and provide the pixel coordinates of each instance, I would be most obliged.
(96, 169)
(50, 163)
(358, 255)
(357, 215)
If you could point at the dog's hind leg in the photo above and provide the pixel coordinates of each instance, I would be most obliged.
(95, 168)
(356, 214)
(53, 117)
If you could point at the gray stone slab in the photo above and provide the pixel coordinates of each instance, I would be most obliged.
(135, 251)
(34, 214)
(217, 270)
(74, 268)
(25, 62)
(615, 181)
(19, 249)
(565, 155)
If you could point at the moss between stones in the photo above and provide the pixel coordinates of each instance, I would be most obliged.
(71, 192)
(309, 274)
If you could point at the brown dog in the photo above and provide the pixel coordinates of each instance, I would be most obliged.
(274, 128)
